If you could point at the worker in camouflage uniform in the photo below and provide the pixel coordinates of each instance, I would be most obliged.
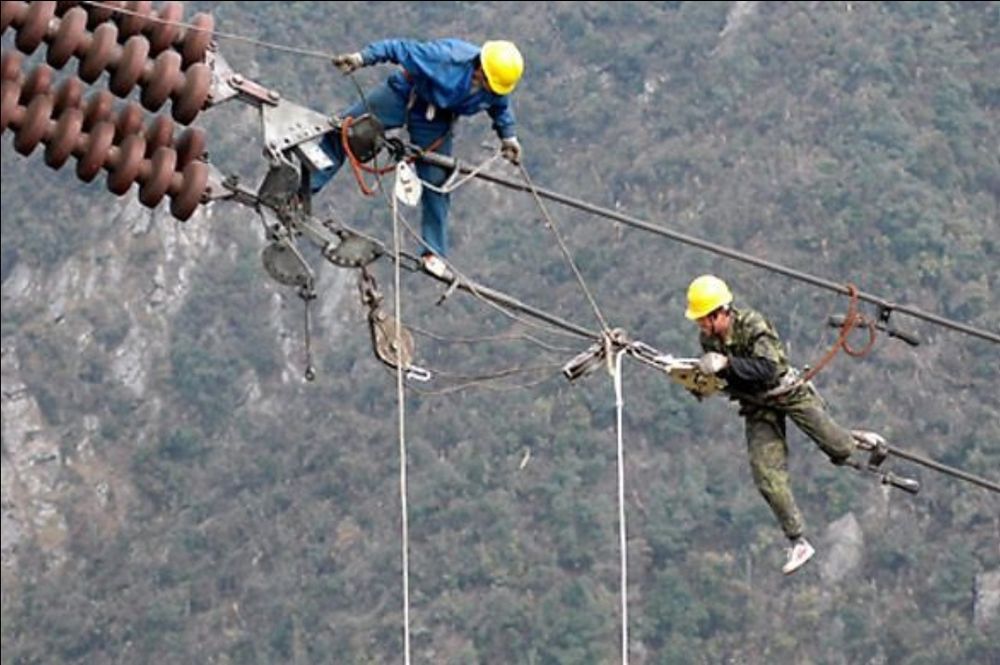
(742, 347)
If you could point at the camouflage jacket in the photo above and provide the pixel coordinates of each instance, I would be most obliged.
(757, 358)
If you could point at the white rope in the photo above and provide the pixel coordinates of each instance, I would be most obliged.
(622, 540)
(454, 182)
(400, 397)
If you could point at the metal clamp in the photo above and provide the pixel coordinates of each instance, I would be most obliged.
(415, 373)
(872, 443)
(882, 324)
(585, 363)
(878, 450)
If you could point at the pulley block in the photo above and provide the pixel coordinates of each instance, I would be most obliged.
(353, 250)
(389, 348)
(285, 265)
(363, 136)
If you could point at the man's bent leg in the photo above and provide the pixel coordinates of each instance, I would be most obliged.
(769, 465)
(810, 415)
(434, 205)
(434, 213)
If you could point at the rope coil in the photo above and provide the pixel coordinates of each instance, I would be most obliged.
(852, 320)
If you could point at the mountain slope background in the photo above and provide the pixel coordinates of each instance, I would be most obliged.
(174, 491)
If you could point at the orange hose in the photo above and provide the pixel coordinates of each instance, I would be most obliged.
(851, 321)
(358, 167)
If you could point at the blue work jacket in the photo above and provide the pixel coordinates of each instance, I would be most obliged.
(440, 72)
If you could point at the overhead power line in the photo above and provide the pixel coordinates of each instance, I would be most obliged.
(884, 305)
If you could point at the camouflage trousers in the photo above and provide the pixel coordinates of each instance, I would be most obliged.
(768, 449)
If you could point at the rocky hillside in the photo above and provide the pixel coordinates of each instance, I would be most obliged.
(174, 491)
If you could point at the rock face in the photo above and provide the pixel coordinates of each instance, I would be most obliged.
(49, 462)
(737, 17)
(986, 608)
(845, 546)
(88, 338)
(30, 471)
(111, 318)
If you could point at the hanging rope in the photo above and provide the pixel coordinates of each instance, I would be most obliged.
(491, 383)
(616, 375)
(551, 224)
(454, 181)
(501, 337)
(462, 281)
(401, 400)
(852, 320)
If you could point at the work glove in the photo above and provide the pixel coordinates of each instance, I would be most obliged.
(713, 363)
(510, 148)
(349, 62)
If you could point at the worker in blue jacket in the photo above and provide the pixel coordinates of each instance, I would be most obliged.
(438, 81)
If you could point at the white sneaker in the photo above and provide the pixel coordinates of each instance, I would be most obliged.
(800, 552)
(871, 438)
(434, 265)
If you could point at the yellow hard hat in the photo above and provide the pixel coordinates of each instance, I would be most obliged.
(705, 295)
(502, 64)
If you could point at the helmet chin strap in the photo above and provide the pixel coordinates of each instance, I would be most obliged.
(479, 81)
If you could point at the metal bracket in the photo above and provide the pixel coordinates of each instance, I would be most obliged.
(280, 187)
(253, 91)
(288, 126)
(227, 84)
(221, 89)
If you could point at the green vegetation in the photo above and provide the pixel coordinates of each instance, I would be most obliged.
(254, 517)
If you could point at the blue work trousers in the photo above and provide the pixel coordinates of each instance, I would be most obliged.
(390, 107)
